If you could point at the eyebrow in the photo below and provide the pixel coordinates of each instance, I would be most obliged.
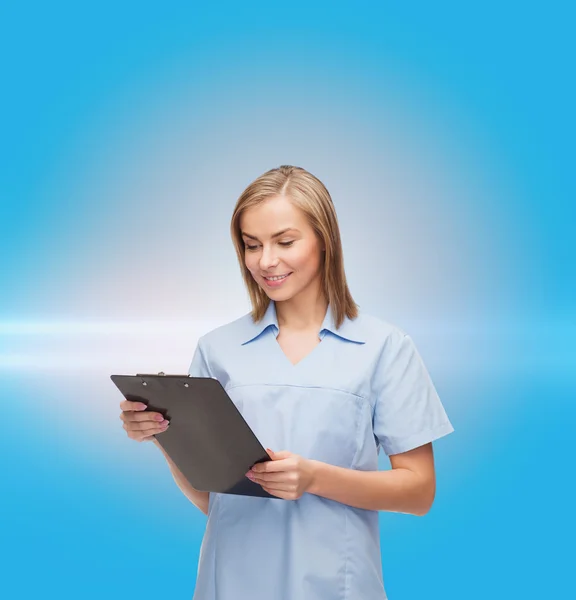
(275, 235)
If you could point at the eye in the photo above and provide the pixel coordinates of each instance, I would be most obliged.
(248, 247)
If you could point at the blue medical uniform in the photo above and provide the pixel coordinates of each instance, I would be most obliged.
(364, 386)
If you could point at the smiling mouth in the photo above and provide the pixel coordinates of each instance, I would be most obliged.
(277, 277)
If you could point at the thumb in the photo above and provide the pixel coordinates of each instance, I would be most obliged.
(278, 455)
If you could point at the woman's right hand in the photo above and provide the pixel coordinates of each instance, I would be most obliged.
(140, 424)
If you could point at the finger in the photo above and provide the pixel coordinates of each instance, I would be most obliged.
(282, 454)
(272, 466)
(143, 435)
(141, 416)
(146, 426)
(278, 493)
(130, 405)
(148, 438)
(269, 477)
(280, 486)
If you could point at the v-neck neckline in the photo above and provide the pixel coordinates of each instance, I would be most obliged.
(305, 358)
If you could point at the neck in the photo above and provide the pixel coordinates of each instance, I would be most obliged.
(303, 312)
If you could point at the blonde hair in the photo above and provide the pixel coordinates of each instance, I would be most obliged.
(310, 195)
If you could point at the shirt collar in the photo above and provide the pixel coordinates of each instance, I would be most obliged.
(349, 330)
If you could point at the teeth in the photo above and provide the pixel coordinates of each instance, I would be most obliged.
(276, 278)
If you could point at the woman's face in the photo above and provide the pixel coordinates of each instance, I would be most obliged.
(296, 252)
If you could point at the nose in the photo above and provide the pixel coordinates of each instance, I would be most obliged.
(268, 259)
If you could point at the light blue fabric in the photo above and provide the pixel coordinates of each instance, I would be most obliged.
(363, 386)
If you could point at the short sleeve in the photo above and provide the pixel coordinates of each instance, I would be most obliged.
(407, 410)
(199, 366)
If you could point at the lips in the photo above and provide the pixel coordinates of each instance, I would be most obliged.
(276, 283)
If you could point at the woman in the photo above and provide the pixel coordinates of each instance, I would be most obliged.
(323, 386)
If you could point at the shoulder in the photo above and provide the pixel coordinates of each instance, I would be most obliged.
(230, 333)
(378, 331)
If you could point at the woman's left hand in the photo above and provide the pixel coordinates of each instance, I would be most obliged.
(286, 476)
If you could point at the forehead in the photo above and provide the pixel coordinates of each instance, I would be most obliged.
(273, 215)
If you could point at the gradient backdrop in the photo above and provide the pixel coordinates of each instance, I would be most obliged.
(444, 133)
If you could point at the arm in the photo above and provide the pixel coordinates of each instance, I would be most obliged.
(198, 498)
(409, 487)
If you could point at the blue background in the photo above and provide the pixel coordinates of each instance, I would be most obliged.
(444, 132)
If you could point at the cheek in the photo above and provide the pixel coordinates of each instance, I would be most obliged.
(251, 263)
(305, 261)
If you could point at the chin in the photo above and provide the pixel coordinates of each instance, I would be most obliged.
(278, 295)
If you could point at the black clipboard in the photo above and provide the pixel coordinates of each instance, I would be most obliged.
(208, 439)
